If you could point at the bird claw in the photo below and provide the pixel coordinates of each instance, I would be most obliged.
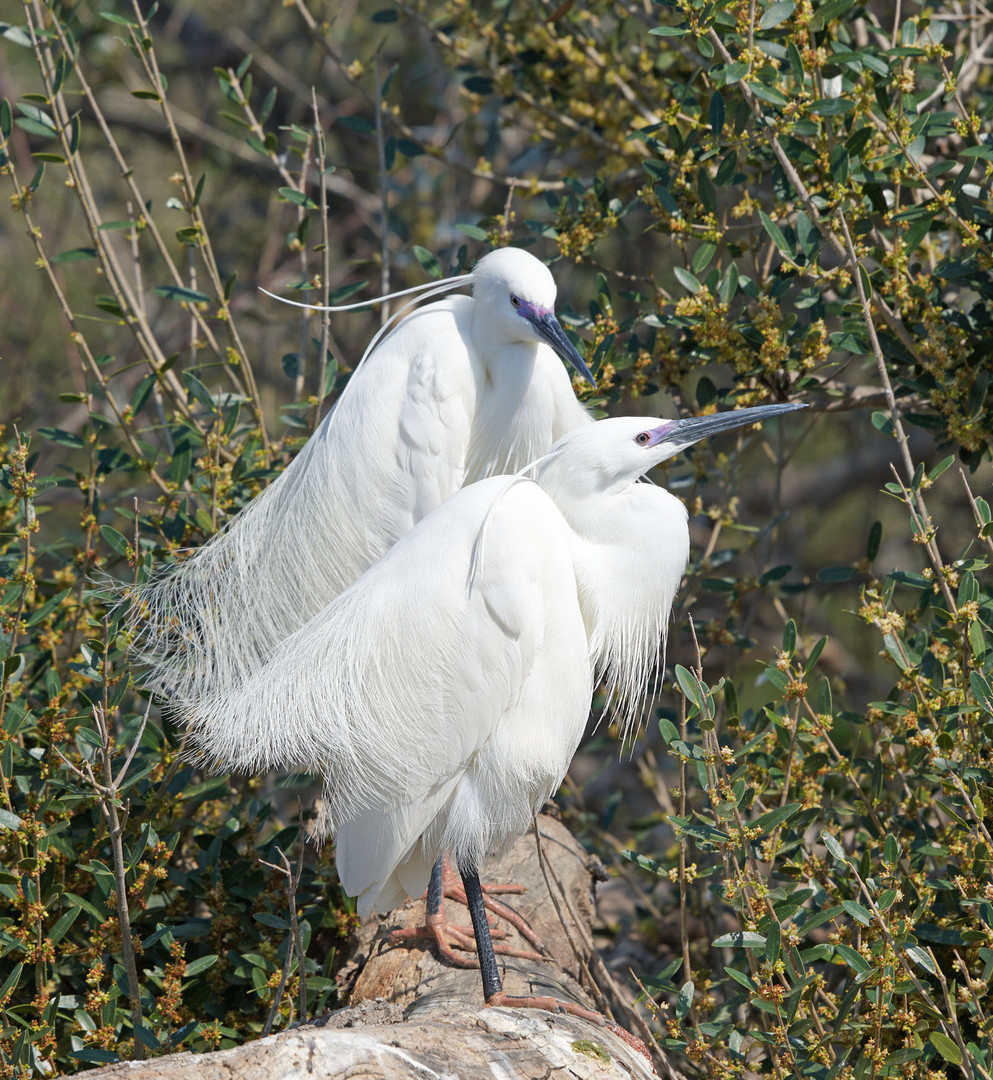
(447, 937)
(452, 889)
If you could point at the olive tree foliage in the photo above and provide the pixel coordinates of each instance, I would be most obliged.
(743, 202)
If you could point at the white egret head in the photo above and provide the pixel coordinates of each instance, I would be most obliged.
(610, 455)
(515, 294)
(515, 303)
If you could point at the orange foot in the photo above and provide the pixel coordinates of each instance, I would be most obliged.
(448, 937)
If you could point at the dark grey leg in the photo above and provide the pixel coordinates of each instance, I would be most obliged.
(434, 888)
(492, 983)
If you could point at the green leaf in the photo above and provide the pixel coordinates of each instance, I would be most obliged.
(410, 149)
(6, 118)
(94, 1053)
(901, 1057)
(698, 830)
(917, 231)
(835, 850)
(48, 607)
(686, 279)
(115, 539)
(9, 821)
(428, 261)
(921, 958)
(773, 943)
(769, 94)
(299, 197)
(829, 11)
(63, 438)
(265, 109)
(199, 965)
(853, 959)
(875, 538)
(701, 258)
(357, 123)
(946, 1047)
(268, 919)
(690, 686)
(859, 913)
(59, 930)
(982, 689)
(898, 653)
(147, 1037)
(684, 1001)
(768, 821)
(75, 255)
(740, 977)
(776, 14)
(474, 232)
(90, 909)
(182, 295)
(775, 234)
(835, 575)
(11, 981)
(668, 730)
(831, 107)
(198, 391)
(717, 113)
(740, 939)
(796, 62)
(815, 655)
(39, 116)
(33, 127)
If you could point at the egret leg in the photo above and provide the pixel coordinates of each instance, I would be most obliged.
(447, 937)
(493, 991)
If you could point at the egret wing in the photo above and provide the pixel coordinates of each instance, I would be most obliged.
(372, 689)
(376, 465)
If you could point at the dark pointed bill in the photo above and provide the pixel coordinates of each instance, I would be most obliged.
(683, 433)
(550, 331)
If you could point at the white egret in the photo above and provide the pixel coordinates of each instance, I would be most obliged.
(442, 695)
(461, 389)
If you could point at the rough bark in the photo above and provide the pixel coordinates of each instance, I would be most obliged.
(412, 1016)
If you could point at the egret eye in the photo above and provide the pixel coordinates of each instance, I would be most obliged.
(515, 301)
(642, 438)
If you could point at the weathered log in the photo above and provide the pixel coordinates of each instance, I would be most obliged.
(412, 1016)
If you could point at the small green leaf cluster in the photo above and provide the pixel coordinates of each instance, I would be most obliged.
(92, 796)
(841, 860)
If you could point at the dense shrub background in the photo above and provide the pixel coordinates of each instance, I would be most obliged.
(744, 201)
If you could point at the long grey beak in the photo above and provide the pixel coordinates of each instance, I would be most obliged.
(683, 433)
(550, 331)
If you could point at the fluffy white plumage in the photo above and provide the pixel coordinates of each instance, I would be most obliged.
(442, 696)
(461, 389)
